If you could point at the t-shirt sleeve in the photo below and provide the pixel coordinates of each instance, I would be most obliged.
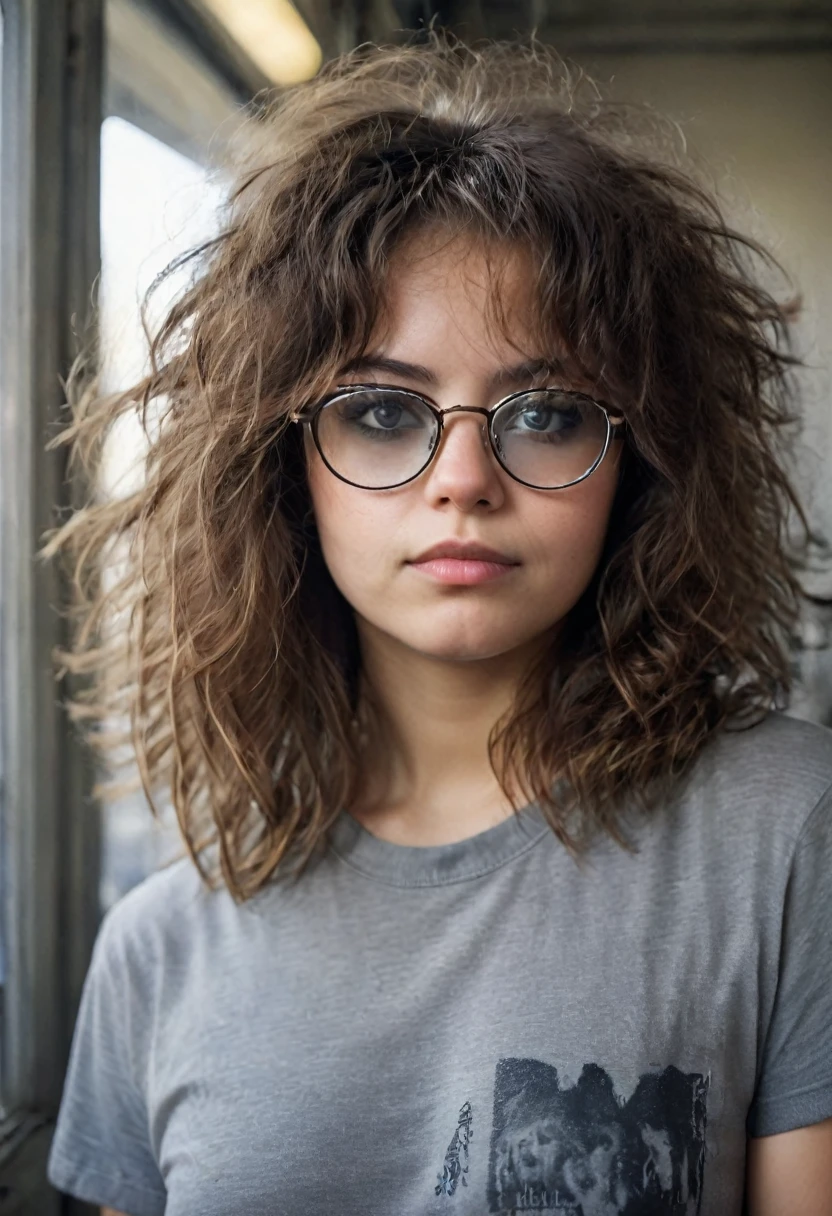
(794, 1085)
(101, 1151)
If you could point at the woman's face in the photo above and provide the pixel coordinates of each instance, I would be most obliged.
(372, 539)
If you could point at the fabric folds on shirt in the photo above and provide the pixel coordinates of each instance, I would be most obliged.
(481, 1027)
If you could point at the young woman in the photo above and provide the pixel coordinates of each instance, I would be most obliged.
(459, 598)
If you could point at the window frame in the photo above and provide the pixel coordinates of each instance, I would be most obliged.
(184, 73)
(51, 98)
(52, 104)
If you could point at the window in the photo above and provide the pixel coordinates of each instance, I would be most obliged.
(155, 205)
(160, 196)
(173, 85)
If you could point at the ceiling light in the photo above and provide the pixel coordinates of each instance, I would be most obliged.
(273, 35)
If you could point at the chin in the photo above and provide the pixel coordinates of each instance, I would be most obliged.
(467, 644)
(458, 633)
(465, 652)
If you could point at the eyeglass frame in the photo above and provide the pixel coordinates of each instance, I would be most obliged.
(614, 429)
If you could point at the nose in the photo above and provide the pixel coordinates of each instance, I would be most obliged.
(464, 471)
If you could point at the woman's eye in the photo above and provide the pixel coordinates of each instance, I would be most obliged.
(537, 420)
(546, 421)
(379, 415)
(387, 416)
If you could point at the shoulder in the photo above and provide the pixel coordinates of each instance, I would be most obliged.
(156, 917)
(773, 777)
(779, 752)
(779, 745)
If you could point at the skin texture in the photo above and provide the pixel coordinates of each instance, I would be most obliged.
(444, 661)
(791, 1174)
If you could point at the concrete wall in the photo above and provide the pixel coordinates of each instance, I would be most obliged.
(763, 123)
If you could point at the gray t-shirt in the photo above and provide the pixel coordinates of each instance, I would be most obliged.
(476, 1027)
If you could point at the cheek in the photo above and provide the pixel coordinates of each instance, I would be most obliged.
(351, 527)
(364, 537)
(569, 535)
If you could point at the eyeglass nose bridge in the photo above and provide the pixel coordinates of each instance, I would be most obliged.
(464, 409)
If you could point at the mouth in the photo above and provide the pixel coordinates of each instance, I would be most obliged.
(463, 564)
(461, 550)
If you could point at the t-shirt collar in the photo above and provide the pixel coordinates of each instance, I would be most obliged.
(436, 865)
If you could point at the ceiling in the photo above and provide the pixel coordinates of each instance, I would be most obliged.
(617, 25)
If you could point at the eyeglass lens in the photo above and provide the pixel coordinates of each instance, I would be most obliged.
(381, 438)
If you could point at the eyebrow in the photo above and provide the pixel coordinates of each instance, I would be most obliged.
(529, 369)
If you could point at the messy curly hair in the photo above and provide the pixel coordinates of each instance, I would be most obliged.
(223, 639)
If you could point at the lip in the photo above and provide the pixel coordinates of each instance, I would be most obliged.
(463, 564)
(460, 550)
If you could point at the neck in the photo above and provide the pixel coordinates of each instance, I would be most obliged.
(427, 778)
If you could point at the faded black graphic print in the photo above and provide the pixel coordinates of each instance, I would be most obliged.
(583, 1151)
(454, 1169)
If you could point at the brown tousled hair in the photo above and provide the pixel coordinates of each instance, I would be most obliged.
(222, 635)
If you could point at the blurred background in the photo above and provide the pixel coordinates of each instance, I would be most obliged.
(114, 115)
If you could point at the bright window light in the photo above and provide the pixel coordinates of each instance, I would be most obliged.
(274, 36)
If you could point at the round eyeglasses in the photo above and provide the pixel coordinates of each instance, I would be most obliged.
(377, 437)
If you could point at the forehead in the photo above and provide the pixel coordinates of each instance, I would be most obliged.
(458, 291)
(460, 305)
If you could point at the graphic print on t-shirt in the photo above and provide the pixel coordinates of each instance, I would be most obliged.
(582, 1150)
(454, 1168)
